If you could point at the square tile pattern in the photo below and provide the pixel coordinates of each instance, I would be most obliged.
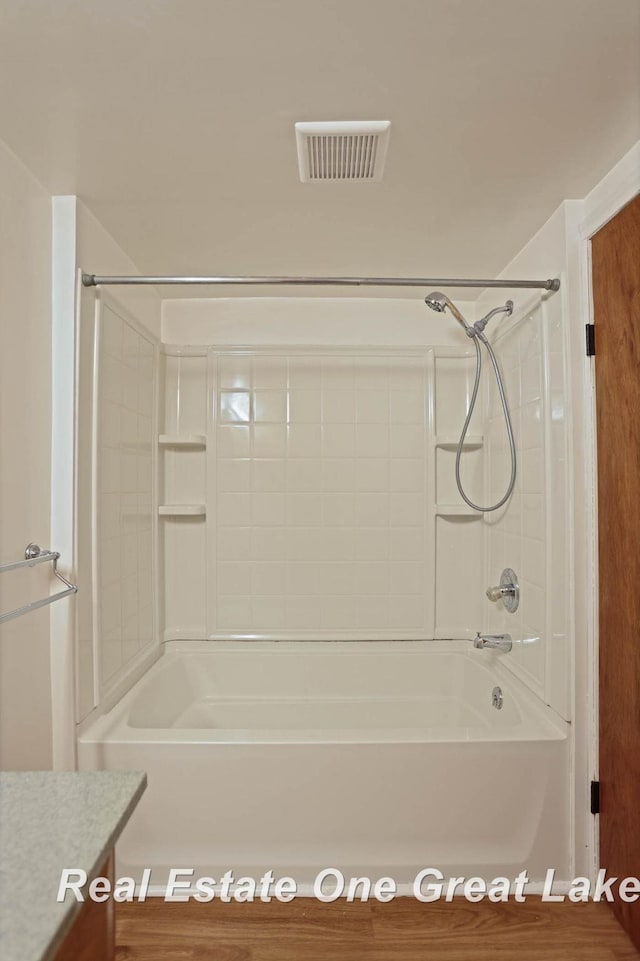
(321, 492)
(125, 485)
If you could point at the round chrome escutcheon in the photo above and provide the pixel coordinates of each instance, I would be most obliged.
(511, 596)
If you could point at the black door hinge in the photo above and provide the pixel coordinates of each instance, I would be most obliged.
(591, 339)
(595, 797)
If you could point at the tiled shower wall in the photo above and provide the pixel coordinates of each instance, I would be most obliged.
(125, 485)
(319, 493)
(530, 533)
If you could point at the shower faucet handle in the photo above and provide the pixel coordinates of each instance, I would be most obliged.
(496, 593)
(508, 591)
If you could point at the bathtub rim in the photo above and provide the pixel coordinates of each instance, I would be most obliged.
(111, 724)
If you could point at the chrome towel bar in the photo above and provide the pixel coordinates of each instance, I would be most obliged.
(32, 556)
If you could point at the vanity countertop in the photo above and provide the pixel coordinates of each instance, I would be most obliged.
(50, 820)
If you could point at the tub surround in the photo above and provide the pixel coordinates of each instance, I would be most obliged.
(305, 494)
(51, 821)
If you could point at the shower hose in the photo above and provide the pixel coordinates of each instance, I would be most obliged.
(477, 335)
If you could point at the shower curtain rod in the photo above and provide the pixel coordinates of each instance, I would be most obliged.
(96, 280)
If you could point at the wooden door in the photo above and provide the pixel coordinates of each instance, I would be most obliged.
(616, 300)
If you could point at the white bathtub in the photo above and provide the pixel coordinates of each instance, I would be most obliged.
(376, 758)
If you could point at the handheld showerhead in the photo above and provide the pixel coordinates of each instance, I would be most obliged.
(438, 301)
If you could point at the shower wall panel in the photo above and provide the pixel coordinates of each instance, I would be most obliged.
(182, 537)
(125, 472)
(317, 516)
(530, 533)
(139, 309)
(321, 471)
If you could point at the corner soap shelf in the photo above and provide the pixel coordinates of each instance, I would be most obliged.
(455, 510)
(182, 440)
(449, 442)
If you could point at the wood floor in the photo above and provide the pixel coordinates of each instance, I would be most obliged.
(403, 930)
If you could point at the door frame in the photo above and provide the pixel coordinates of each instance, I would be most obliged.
(617, 189)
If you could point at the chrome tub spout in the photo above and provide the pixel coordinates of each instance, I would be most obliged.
(493, 642)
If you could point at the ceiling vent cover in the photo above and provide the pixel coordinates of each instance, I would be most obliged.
(343, 150)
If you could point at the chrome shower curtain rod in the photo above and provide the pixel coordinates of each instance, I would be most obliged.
(96, 280)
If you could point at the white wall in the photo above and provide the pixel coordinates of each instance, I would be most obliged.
(25, 469)
(97, 252)
(309, 321)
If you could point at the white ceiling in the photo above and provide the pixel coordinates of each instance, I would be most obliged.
(173, 120)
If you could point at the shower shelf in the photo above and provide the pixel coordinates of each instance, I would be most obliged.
(449, 442)
(182, 440)
(182, 510)
(455, 510)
